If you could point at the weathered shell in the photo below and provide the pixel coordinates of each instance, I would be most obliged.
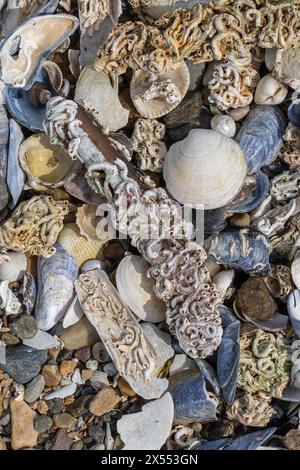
(252, 194)
(255, 300)
(55, 75)
(294, 112)
(161, 342)
(94, 91)
(286, 66)
(150, 428)
(44, 163)
(157, 8)
(15, 174)
(228, 355)
(156, 95)
(247, 442)
(136, 289)
(293, 306)
(295, 271)
(42, 341)
(56, 276)
(77, 186)
(223, 281)
(29, 292)
(4, 139)
(73, 314)
(24, 51)
(13, 267)
(89, 224)
(260, 136)
(191, 400)
(270, 91)
(245, 249)
(77, 245)
(224, 124)
(207, 168)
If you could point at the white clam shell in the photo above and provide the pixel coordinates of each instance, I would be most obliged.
(224, 124)
(223, 281)
(42, 341)
(270, 91)
(149, 429)
(206, 169)
(161, 342)
(136, 289)
(73, 314)
(13, 267)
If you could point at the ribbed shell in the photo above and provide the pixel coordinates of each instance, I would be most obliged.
(13, 268)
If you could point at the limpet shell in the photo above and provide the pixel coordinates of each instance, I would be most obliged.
(136, 289)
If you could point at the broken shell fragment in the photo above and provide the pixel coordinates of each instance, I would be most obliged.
(44, 163)
(136, 289)
(24, 51)
(89, 223)
(270, 91)
(207, 168)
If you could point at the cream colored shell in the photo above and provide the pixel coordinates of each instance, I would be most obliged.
(13, 266)
(270, 91)
(207, 169)
(136, 290)
(178, 80)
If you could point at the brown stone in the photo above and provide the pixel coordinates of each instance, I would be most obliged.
(53, 353)
(87, 374)
(42, 407)
(80, 335)
(80, 405)
(125, 388)
(2, 444)
(105, 401)
(292, 439)
(83, 354)
(67, 367)
(23, 433)
(255, 300)
(64, 421)
(51, 375)
(61, 441)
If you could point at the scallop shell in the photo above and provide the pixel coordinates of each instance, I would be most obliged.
(136, 289)
(13, 267)
(207, 168)
(224, 124)
(44, 163)
(89, 223)
(78, 246)
(24, 51)
(270, 91)
(56, 276)
(178, 78)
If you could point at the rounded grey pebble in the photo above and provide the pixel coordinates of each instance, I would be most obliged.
(34, 389)
(56, 406)
(5, 420)
(43, 423)
(97, 433)
(25, 327)
(78, 445)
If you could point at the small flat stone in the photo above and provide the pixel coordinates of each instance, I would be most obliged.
(9, 339)
(67, 367)
(105, 401)
(61, 441)
(77, 445)
(51, 375)
(97, 433)
(34, 389)
(64, 421)
(56, 406)
(42, 407)
(80, 335)
(42, 423)
(23, 433)
(23, 363)
(2, 444)
(25, 327)
(80, 405)
(292, 439)
(83, 354)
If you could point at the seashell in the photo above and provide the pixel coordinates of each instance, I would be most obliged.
(94, 90)
(63, 392)
(99, 379)
(73, 314)
(8, 301)
(156, 8)
(181, 363)
(228, 355)
(76, 184)
(295, 270)
(150, 428)
(270, 57)
(286, 63)
(4, 140)
(279, 281)
(92, 264)
(224, 124)
(270, 91)
(100, 353)
(254, 300)
(136, 289)
(252, 194)
(215, 220)
(42, 341)
(30, 44)
(223, 281)
(45, 164)
(209, 374)
(15, 174)
(260, 136)
(55, 75)
(136, 360)
(250, 441)
(155, 95)
(89, 223)
(161, 342)
(239, 113)
(13, 266)
(245, 249)
(293, 307)
(294, 112)
(29, 292)
(78, 246)
(207, 168)
(56, 276)
(191, 400)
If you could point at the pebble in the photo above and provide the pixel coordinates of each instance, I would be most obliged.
(92, 364)
(9, 339)
(125, 388)
(83, 354)
(34, 389)
(67, 367)
(80, 405)
(23, 363)
(42, 423)
(97, 433)
(56, 405)
(23, 433)
(42, 407)
(104, 402)
(2, 444)
(61, 441)
(80, 335)
(64, 421)
(292, 439)
(78, 445)
(25, 327)
(51, 375)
